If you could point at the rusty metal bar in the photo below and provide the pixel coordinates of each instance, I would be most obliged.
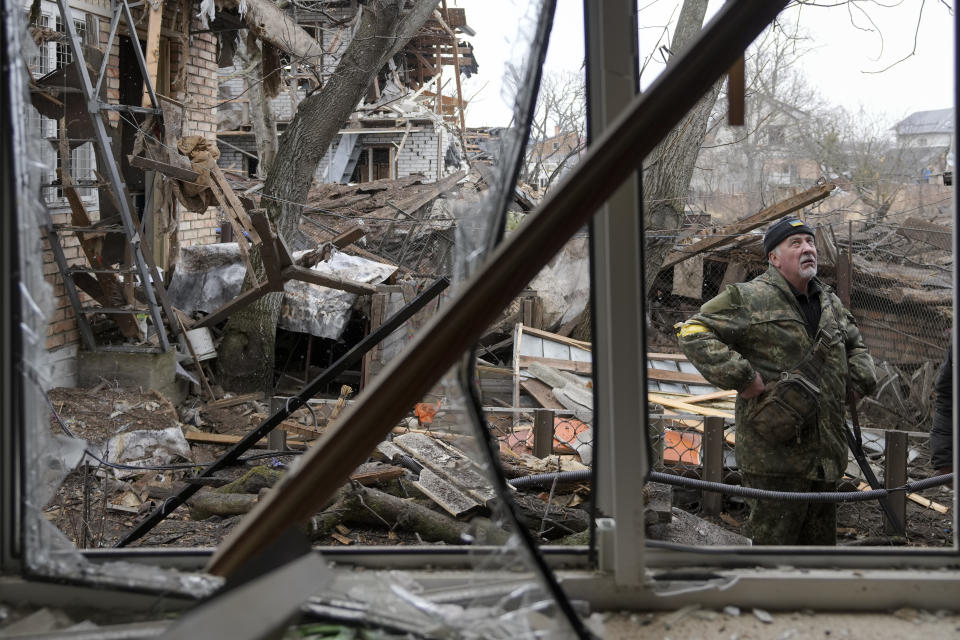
(895, 475)
(543, 433)
(712, 457)
(615, 156)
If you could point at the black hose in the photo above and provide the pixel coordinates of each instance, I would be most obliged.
(548, 478)
(745, 492)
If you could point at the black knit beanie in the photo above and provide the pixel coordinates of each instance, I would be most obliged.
(781, 230)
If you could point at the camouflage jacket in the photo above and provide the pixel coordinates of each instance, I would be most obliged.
(757, 327)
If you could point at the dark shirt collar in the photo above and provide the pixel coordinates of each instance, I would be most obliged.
(813, 288)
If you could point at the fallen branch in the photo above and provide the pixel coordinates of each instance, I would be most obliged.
(362, 505)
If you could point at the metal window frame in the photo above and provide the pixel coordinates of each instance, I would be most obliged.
(833, 579)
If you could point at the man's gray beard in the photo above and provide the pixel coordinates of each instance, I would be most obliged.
(808, 272)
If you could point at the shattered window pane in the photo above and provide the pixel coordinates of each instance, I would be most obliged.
(108, 456)
(858, 145)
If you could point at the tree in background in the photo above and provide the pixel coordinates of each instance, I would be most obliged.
(858, 152)
(558, 130)
(668, 169)
(246, 353)
(766, 157)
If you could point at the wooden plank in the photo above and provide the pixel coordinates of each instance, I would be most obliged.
(683, 406)
(295, 272)
(556, 337)
(585, 368)
(542, 393)
(494, 371)
(268, 249)
(152, 50)
(202, 437)
(666, 356)
(238, 227)
(232, 401)
(926, 502)
(915, 497)
(348, 237)
(371, 360)
(374, 476)
(233, 204)
(300, 429)
(447, 495)
(245, 299)
(675, 376)
(723, 394)
(341, 539)
(173, 171)
(726, 235)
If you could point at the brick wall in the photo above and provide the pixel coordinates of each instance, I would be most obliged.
(232, 158)
(200, 94)
(422, 152)
(62, 325)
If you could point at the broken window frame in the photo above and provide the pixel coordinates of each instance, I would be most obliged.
(621, 548)
(617, 257)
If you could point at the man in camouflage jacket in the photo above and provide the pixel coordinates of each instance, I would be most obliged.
(785, 342)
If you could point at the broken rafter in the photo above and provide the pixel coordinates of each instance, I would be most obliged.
(271, 24)
(172, 171)
(279, 268)
(725, 235)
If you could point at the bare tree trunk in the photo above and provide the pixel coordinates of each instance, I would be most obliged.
(669, 167)
(247, 351)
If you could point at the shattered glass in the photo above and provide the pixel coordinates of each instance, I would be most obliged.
(51, 456)
(513, 604)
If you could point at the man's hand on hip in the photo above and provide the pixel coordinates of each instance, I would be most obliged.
(754, 389)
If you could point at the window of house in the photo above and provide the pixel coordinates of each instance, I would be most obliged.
(53, 55)
(776, 134)
(627, 349)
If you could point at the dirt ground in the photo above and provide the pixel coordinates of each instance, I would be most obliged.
(80, 511)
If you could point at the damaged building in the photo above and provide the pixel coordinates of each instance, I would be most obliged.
(449, 441)
(404, 126)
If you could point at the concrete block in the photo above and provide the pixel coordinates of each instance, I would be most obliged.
(155, 371)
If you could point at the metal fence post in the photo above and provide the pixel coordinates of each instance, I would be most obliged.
(277, 439)
(543, 433)
(712, 458)
(895, 475)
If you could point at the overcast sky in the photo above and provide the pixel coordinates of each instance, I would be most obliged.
(846, 47)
